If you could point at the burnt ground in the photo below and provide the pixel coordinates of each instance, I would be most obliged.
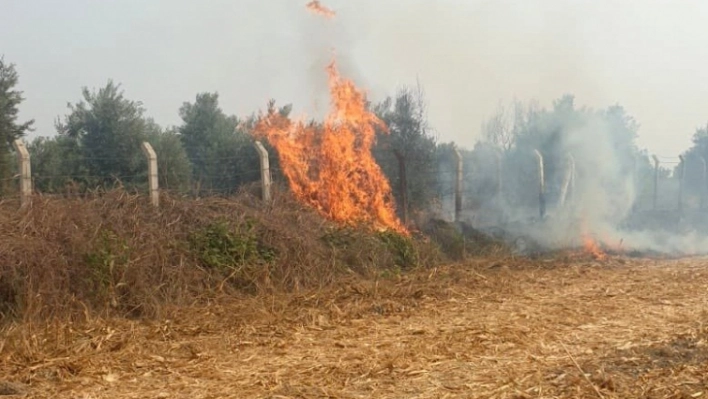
(501, 328)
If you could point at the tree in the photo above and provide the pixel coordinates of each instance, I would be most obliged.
(696, 183)
(10, 128)
(407, 150)
(601, 142)
(219, 147)
(57, 164)
(502, 129)
(110, 130)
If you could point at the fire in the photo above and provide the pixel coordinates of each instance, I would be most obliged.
(590, 245)
(593, 248)
(329, 166)
(318, 8)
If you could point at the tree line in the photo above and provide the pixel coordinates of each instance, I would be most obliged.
(98, 141)
(98, 145)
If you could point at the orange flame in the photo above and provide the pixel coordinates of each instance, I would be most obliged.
(330, 166)
(318, 8)
(593, 248)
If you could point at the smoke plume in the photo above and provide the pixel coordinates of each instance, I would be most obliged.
(598, 186)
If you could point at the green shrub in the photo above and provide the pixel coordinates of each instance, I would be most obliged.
(450, 240)
(401, 247)
(106, 262)
(221, 247)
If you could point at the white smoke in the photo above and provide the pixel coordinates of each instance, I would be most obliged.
(602, 200)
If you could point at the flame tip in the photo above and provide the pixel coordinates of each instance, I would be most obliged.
(317, 8)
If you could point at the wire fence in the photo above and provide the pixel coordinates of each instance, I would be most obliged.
(514, 184)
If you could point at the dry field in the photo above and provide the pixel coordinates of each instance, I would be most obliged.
(558, 328)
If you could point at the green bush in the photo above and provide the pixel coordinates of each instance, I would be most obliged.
(401, 247)
(450, 240)
(219, 246)
(106, 263)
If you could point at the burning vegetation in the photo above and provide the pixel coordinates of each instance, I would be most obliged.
(330, 166)
(593, 248)
(317, 8)
(325, 260)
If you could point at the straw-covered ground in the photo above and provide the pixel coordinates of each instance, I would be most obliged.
(561, 328)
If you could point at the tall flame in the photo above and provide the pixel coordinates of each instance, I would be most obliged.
(318, 8)
(330, 166)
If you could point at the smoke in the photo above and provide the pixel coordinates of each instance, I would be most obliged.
(323, 37)
(605, 200)
(467, 54)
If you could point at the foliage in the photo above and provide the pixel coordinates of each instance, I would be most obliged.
(408, 147)
(503, 128)
(401, 247)
(451, 242)
(220, 247)
(219, 147)
(99, 144)
(105, 263)
(110, 130)
(695, 178)
(10, 128)
(341, 237)
(57, 164)
(556, 132)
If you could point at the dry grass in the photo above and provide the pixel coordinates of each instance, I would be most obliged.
(499, 328)
(113, 254)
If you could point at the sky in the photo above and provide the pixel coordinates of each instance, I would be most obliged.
(469, 56)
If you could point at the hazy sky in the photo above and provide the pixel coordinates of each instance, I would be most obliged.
(649, 56)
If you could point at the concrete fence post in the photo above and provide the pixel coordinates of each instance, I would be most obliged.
(541, 185)
(152, 173)
(573, 176)
(25, 169)
(682, 178)
(566, 186)
(704, 181)
(265, 171)
(458, 184)
(656, 180)
(500, 182)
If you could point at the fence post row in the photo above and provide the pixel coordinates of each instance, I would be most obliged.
(458, 184)
(25, 168)
(152, 173)
(567, 187)
(265, 171)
